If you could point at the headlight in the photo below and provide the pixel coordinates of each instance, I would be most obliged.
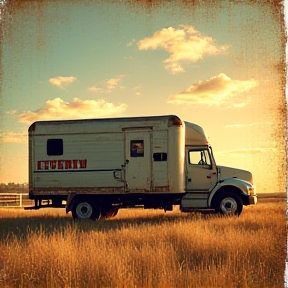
(251, 190)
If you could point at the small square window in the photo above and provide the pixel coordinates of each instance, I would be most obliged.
(160, 156)
(137, 148)
(54, 147)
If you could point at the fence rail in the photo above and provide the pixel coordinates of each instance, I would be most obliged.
(12, 200)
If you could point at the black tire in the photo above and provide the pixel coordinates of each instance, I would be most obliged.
(228, 204)
(86, 209)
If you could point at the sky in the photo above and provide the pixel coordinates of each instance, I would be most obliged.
(219, 65)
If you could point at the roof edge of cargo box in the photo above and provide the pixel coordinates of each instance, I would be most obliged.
(173, 120)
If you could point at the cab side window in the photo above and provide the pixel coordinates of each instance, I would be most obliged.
(200, 158)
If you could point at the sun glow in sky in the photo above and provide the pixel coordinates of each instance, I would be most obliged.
(220, 65)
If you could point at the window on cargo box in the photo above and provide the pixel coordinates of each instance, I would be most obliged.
(54, 147)
(160, 156)
(200, 158)
(137, 148)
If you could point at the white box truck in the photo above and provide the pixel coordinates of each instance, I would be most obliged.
(99, 166)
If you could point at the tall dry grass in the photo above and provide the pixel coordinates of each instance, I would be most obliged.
(144, 249)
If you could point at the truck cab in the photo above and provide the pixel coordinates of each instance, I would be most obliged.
(222, 188)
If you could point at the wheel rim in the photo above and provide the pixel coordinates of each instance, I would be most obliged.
(228, 205)
(84, 210)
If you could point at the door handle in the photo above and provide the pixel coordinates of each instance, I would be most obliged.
(126, 162)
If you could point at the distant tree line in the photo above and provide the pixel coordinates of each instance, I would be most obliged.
(14, 187)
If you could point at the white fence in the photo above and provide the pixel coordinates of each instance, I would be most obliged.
(12, 200)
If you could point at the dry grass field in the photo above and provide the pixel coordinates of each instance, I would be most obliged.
(145, 248)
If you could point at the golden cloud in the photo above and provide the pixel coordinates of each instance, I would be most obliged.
(58, 109)
(12, 137)
(247, 151)
(11, 112)
(183, 44)
(247, 125)
(112, 83)
(215, 91)
(95, 89)
(109, 84)
(61, 81)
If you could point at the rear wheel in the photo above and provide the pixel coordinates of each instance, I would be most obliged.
(228, 204)
(86, 209)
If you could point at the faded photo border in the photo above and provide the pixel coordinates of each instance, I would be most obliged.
(11, 9)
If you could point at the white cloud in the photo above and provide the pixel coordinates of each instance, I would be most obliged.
(131, 43)
(109, 85)
(12, 137)
(218, 90)
(135, 88)
(245, 151)
(183, 44)
(95, 89)
(174, 68)
(112, 83)
(61, 81)
(11, 112)
(247, 125)
(78, 109)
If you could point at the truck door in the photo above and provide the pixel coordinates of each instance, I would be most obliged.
(201, 171)
(138, 160)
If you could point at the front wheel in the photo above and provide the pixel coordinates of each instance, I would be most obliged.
(85, 209)
(228, 204)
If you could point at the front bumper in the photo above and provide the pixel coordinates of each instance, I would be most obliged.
(250, 200)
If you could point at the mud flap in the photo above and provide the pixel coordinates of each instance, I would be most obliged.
(70, 201)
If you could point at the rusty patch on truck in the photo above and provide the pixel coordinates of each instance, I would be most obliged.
(94, 190)
(82, 190)
(162, 189)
